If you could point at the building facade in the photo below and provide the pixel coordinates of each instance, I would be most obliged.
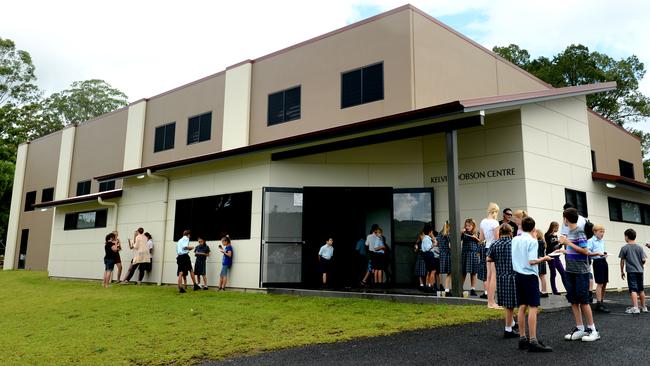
(323, 139)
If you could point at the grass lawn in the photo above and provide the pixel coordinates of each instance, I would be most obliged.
(56, 322)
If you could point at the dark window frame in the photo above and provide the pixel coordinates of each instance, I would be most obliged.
(593, 161)
(167, 142)
(626, 169)
(614, 206)
(108, 185)
(575, 197)
(202, 133)
(71, 221)
(363, 97)
(285, 110)
(84, 187)
(47, 195)
(30, 200)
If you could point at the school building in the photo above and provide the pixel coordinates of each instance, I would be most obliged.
(389, 120)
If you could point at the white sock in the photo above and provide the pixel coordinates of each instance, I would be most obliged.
(446, 290)
(581, 327)
(592, 327)
(473, 289)
(513, 324)
(508, 329)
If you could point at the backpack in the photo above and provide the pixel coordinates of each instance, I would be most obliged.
(589, 229)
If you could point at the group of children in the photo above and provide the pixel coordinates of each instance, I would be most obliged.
(142, 246)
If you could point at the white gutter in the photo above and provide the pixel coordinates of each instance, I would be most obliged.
(164, 239)
(112, 204)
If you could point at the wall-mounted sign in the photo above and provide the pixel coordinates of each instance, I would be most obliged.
(478, 174)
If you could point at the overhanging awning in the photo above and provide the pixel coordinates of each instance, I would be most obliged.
(617, 181)
(115, 193)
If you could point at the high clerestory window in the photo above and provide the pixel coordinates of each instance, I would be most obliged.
(578, 200)
(363, 85)
(83, 188)
(30, 200)
(626, 169)
(164, 138)
(85, 220)
(47, 195)
(284, 106)
(199, 128)
(109, 185)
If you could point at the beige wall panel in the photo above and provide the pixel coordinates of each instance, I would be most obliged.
(573, 107)
(578, 132)
(511, 80)
(538, 194)
(403, 151)
(236, 115)
(42, 163)
(433, 149)
(534, 140)
(447, 67)
(287, 174)
(545, 120)
(16, 208)
(395, 175)
(98, 149)
(177, 106)
(511, 193)
(317, 68)
(610, 144)
(66, 151)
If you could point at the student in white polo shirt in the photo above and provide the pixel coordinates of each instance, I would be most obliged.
(325, 259)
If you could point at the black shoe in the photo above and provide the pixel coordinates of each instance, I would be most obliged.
(556, 293)
(511, 334)
(523, 343)
(604, 308)
(442, 288)
(181, 290)
(544, 294)
(206, 288)
(515, 328)
(472, 293)
(537, 346)
(483, 296)
(197, 287)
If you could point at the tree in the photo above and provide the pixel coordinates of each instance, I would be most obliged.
(16, 75)
(576, 65)
(84, 100)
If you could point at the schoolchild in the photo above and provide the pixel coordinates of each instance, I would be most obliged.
(500, 254)
(577, 278)
(470, 253)
(201, 252)
(184, 263)
(325, 259)
(596, 245)
(226, 262)
(110, 247)
(525, 260)
(633, 258)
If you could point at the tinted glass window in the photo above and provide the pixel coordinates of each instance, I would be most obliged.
(363, 85)
(165, 136)
(627, 211)
(107, 186)
(85, 220)
(284, 106)
(48, 195)
(578, 200)
(199, 128)
(213, 217)
(30, 200)
(626, 169)
(351, 89)
(83, 188)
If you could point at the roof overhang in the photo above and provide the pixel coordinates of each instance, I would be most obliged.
(115, 193)
(617, 181)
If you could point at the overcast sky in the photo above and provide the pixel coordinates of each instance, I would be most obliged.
(145, 47)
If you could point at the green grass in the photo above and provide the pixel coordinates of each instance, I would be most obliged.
(56, 322)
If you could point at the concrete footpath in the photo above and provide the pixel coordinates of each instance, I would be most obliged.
(624, 342)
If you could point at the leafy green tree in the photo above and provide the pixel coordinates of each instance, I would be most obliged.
(84, 100)
(16, 75)
(576, 65)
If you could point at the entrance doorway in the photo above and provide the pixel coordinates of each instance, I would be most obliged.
(346, 215)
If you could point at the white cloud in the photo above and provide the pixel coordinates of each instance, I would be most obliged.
(146, 47)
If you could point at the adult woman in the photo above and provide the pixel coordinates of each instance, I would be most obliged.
(488, 233)
(518, 216)
(445, 256)
(553, 244)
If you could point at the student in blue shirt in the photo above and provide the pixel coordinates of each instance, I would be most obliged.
(226, 262)
(596, 246)
(525, 263)
(325, 259)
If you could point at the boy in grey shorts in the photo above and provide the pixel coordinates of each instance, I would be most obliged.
(633, 259)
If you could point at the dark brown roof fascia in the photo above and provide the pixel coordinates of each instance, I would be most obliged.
(621, 180)
(334, 132)
(78, 199)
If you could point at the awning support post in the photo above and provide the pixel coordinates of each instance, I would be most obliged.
(454, 212)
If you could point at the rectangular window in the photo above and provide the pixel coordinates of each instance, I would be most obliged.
(213, 217)
(107, 186)
(578, 200)
(626, 169)
(83, 188)
(164, 138)
(199, 128)
(627, 211)
(85, 220)
(30, 200)
(593, 161)
(47, 195)
(362, 85)
(284, 106)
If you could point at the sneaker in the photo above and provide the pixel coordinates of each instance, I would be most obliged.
(592, 335)
(537, 346)
(181, 290)
(196, 287)
(544, 294)
(205, 288)
(644, 309)
(604, 309)
(575, 335)
(512, 334)
(523, 343)
(483, 296)
(632, 310)
(442, 288)
(472, 292)
(515, 328)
